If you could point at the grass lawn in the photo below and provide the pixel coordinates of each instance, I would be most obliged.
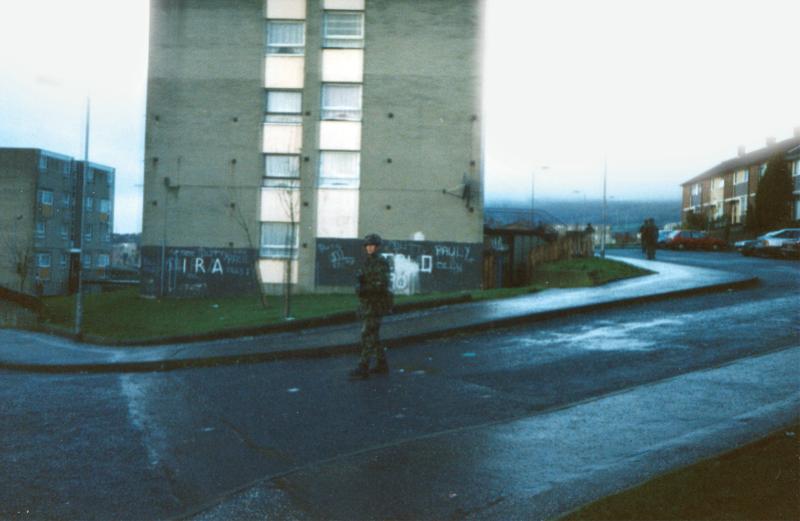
(123, 315)
(755, 482)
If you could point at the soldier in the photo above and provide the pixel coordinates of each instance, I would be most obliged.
(375, 301)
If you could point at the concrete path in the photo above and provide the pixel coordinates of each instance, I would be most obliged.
(542, 466)
(44, 353)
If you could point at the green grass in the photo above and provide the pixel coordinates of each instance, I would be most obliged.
(757, 481)
(124, 315)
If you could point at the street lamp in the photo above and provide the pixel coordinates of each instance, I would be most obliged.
(533, 178)
(79, 245)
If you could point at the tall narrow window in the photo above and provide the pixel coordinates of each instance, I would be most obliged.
(285, 38)
(283, 106)
(281, 171)
(339, 169)
(343, 30)
(341, 102)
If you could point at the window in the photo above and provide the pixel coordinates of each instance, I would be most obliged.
(89, 204)
(46, 197)
(696, 189)
(796, 168)
(285, 38)
(279, 240)
(741, 176)
(341, 102)
(105, 206)
(66, 200)
(105, 235)
(86, 260)
(339, 169)
(281, 171)
(720, 183)
(89, 175)
(40, 229)
(42, 162)
(43, 260)
(102, 260)
(63, 261)
(283, 106)
(64, 230)
(87, 232)
(762, 170)
(343, 29)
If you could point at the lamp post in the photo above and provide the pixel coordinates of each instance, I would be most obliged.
(79, 245)
(533, 179)
(603, 235)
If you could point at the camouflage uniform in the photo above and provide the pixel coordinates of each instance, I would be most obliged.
(375, 301)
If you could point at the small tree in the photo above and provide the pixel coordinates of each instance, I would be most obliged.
(773, 205)
(291, 205)
(695, 221)
(235, 196)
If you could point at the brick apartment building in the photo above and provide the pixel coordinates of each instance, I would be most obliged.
(723, 194)
(41, 194)
(280, 132)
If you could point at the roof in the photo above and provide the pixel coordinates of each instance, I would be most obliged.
(755, 157)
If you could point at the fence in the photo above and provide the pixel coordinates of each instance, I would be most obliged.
(571, 245)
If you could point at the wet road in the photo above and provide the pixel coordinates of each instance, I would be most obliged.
(162, 445)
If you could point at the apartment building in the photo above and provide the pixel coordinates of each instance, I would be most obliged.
(280, 132)
(42, 196)
(723, 194)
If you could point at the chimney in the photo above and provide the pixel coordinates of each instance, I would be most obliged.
(771, 141)
(796, 131)
(740, 151)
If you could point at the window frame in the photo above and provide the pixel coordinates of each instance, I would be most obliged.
(341, 113)
(274, 49)
(271, 180)
(282, 250)
(283, 117)
(342, 41)
(40, 257)
(325, 180)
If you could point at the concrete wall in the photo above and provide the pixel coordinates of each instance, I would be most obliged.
(17, 198)
(204, 133)
(422, 113)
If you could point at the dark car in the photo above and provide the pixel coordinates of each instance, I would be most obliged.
(694, 240)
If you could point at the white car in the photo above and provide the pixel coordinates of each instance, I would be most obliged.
(772, 242)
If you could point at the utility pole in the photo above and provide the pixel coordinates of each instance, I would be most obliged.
(603, 235)
(81, 197)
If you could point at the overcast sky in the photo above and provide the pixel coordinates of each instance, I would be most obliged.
(662, 89)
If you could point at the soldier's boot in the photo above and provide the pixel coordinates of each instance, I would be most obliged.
(360, 373)
(381, 367)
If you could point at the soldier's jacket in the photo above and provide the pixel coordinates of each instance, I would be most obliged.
(373, 286)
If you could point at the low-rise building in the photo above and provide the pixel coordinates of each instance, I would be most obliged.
(723, 194)
(43, 196)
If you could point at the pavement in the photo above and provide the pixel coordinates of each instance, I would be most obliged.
(38, 352)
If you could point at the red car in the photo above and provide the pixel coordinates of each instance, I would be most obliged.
(694, 240)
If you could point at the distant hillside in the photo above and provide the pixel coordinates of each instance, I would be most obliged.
(621, 215)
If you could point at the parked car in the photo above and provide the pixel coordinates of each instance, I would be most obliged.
(771, 244)
(694, 240)
(791, 249)
(663, 237)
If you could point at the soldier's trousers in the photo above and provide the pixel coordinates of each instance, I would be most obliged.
(370, 339)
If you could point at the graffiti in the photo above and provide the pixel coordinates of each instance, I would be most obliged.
(197, 271)
(405, 274)
(339, 259)
(418, 266)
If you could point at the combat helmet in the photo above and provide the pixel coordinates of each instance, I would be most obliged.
(372, 239)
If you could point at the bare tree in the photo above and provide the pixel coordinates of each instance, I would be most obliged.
(235, 196)
(290, 201)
